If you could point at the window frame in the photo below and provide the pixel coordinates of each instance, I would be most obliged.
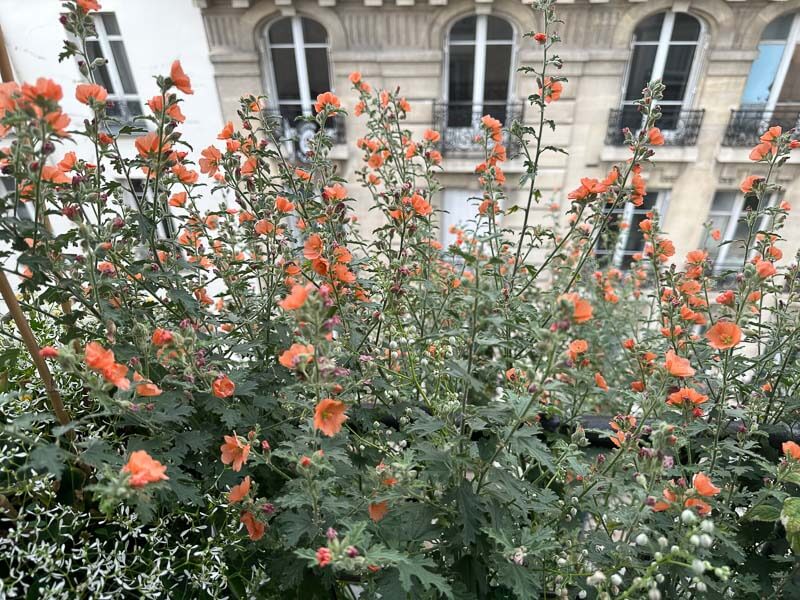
(306, 102)
(104, 39)
(627, 213)
(719, 263)
(790, 44)
(480, 42)
(660, 60)
(165, 228)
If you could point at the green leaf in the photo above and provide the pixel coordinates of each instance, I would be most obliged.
(49, 458)
(790, 518)
(763, 512)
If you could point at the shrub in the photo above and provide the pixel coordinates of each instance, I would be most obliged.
(271, 404)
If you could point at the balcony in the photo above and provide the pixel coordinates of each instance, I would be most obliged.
(459, 125)
(747, 124)
(296, 134)
(680, 127)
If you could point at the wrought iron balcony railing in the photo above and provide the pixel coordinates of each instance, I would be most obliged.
(296, 134)
(747, 124)
(680, 127)
(459, 125)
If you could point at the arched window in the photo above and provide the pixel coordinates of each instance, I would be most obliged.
(665, 47)
(297, 49)
(774, 80)
(479, 67)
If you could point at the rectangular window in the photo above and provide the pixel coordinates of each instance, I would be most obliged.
(115, 75)
(165, 227)
(460, 208)
(622, 238)
(728, 214)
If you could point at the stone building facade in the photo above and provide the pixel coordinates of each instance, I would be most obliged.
(732, 67)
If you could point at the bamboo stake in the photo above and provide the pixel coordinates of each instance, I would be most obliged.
(11, 299)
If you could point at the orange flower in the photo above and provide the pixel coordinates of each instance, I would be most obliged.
(326, 100)
(686, 396)
(227, 132)
(312, 249)
(296, 355)
(329, 416)
(589, 187)
(431, 136)
(255, 528)
(148, 390)
(282, 204)
(551, 90)
(180, 79)
(44, 88)
(234, 452)
(761, 151)
(239, 492)
(210, 161)
(148, 144)
(88, 5)
(177, 200)
(669, 498)
(295, 299)
(677, 365)
(90, 91)
(97, 357)
(703, 486)
(54, 175)
(747, 185)
(582, 308)
(765, 269)
(600, 382)
(576, 348)
(421, 206)
(655, 137)
(724, 335)
(143, 469)
(791, 449)
(185, 175)
(223, 387)
(161, 337)
(702, 507)
(378, 510)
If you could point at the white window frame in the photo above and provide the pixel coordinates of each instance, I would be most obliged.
(734, 216)
(299, 46)
(479, 67)
(791, 42)
(129, 200)
(660, 60)
(627, 213)
(118, 94)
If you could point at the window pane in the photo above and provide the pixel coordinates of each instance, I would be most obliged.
(100, 73)
(724, 201)
(110, 23)
(285, 69)
(790, 92)
(762, 74)
(640, 71)
(685, 29)
(464, 30)
(779, 28)
(317, 63)
(649, 30)
(498, 68)
(123, 68)
(498, 29)
(313, 32)
(676, 71)
(280, 32)
(460, 73)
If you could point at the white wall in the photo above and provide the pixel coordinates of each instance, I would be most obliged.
(155, 33)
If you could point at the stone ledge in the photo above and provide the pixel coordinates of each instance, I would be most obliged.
(664, 154)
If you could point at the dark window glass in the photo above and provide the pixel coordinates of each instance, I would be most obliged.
(464, 30)
(280, 32)
(779, 28)
(790, 92)
(101, 73)
(676, 71)
(640, 70)
(313, 32)
(460, 73)
(110, 23)
(317, 63)
(123, 67)
(649, 30)
(498, 29)
(498, 69)
(285, 70)
(685, 29)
